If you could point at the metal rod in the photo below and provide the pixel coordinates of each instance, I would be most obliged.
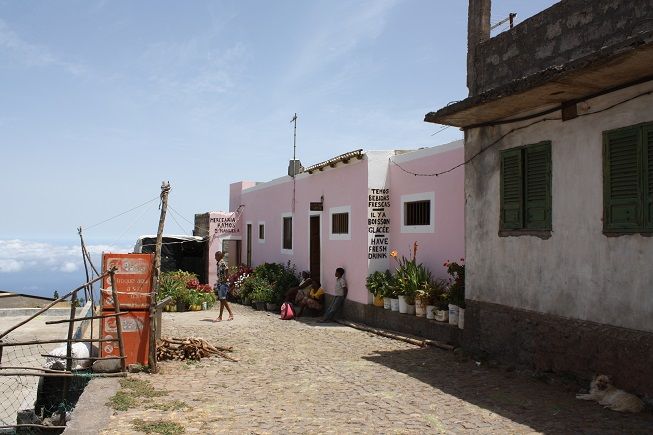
(116, 304)
(50, 305)
(78, 340)
(82, 319)
(163, 303)
(95, 358)
(66, 375)
(40, 426)
(33, 368)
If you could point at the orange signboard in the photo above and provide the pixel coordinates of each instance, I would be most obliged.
(133, 280)
(135, 336)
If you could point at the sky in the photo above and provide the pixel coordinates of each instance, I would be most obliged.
(103, 100)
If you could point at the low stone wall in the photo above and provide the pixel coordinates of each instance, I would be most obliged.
(561, 345)
(378, 317)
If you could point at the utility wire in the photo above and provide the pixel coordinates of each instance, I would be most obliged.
(441, 130)
(437, 174)
(482, 150)
(120, 214)
(172, 215)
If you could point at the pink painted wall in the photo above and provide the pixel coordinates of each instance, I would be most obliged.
(347, 185)
(344, 185)
(447, 242)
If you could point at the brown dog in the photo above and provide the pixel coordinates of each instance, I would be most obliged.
(606, 394)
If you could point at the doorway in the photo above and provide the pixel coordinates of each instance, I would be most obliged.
(314, 248)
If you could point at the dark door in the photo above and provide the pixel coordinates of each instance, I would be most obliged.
(314, 249)
(249, 245)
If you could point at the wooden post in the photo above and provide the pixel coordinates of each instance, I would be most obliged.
(165, 189)
(69, 343)
(116, 304)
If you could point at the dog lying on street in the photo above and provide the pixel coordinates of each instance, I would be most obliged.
(606, 394)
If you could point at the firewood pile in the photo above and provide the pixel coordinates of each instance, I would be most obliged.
(191, 348)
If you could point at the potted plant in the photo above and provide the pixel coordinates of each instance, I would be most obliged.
(456, 290)
(410, 277)
(376, 283)
(442, 306)
(260, 291)
(392, 293)
(422, 297)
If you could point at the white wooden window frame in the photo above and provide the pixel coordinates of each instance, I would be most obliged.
(418, 229)
(336, 210)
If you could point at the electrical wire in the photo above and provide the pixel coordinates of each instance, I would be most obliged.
(482, 150)
(120, 214)
(436, 174)
(441, 130)
(172, 215)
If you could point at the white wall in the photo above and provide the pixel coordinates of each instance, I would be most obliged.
(578, 272)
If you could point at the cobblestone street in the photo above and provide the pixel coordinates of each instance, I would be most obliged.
(303, 377)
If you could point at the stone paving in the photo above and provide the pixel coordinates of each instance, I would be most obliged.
(304, 377)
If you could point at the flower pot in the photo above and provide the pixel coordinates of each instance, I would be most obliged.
(181, 306)
(394, 304)
(195, 307)
(387, 304)
(441, 315)
(430, 311)
(420, 308)
(410, 309)
(453, 314)
(403, 306)
(271, 307)
(378, 301)
(461, 318)
(260, 306)
(205, 306)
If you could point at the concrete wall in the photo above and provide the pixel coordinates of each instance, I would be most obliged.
(578, 272)
(10, 300)
(562, 33)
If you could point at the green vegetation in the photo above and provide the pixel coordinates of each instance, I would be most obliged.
(131, 394)
(175, 405)
(159, 426)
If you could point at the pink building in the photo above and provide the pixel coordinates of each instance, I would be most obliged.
(351, 211)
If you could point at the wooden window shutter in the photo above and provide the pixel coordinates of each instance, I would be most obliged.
(511, 189)
(648, 176)
(622, 186)
(537, 186)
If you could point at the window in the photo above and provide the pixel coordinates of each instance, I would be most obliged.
(340, 223)
(261, 232)
(526, 187)
(418, 213)
(286, 243)
(628, 179)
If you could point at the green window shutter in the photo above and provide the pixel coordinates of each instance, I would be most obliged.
(648, 176)
(537, 186)
(511, 189)
(622, 195)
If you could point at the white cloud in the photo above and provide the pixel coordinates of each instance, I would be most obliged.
(8, 266)
(22, 255)
(32, 54)
(336, 38)
(69, 267)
